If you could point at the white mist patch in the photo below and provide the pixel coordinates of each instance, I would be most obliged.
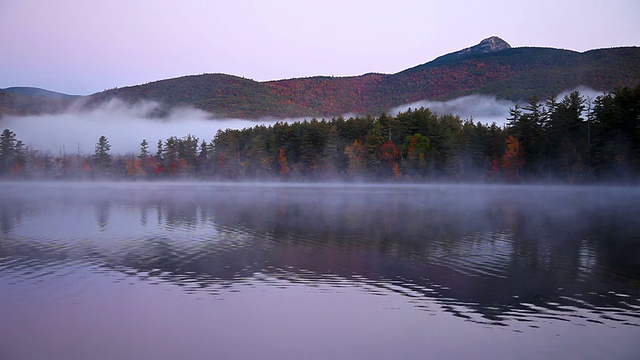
(480, 108)
(587, 93)
(125, 126)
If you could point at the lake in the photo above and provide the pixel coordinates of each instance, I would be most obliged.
(318, 271)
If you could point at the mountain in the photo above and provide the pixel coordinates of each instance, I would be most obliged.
(37, 92)
(491, 67)
(33, 101)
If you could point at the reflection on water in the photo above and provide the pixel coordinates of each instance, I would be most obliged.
(522, 258)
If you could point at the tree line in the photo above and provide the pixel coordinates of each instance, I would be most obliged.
(573, 139)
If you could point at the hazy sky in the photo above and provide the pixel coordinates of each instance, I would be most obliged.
(82, 47)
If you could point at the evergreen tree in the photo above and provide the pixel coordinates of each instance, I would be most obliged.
(202, 161)
(615, 138)
(567, 134)
(144, 150)
(170, 155)
(188, 149)
(101, 156)
(204, 151)
(330, 157)
(159, 152)
(8, 150)
(526, 125)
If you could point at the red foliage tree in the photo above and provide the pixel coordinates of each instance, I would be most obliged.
(390, 153)
(284, 164)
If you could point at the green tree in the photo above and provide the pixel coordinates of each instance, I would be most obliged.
(203, 159)
(12, 153)
(7, 150)
(526, 125)
(330, 158)
(159, 152)
(188, 149)
(567, 136)
(102, 157)
(616, 134)
(144, 150)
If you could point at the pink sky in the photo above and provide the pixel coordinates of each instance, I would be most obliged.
(82, 47)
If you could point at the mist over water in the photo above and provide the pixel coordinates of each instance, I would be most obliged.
(283, 270)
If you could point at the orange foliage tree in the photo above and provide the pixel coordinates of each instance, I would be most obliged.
(513, 158)
(133, 166)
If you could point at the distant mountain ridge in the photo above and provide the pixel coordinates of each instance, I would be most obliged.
(491, 67)
(33, 101)
(31, 91)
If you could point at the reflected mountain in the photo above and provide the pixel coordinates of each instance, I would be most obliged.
(492, 254)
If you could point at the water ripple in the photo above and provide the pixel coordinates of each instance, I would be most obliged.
(497, 265)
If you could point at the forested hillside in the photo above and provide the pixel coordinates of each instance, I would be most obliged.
(33, 101)
(491, 68)
(514, 74)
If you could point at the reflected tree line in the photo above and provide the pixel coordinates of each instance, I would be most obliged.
(480, 252)
(573, 139)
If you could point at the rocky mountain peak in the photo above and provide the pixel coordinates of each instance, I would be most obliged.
(495, 43)
(489, 44)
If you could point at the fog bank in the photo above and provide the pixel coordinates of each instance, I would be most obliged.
(125, 126)
(483, 108)
(480, 108)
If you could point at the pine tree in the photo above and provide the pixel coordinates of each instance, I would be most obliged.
(144, 150)
(8, 150)
(101, 155)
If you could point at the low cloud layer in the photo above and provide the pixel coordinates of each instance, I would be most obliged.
(485, 109)
(124, 125)
(587, 93)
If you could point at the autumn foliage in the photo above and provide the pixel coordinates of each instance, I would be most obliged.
(513, 158)
(284, 164)
(515, 74)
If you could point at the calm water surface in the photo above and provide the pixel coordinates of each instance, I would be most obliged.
(254, 271)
